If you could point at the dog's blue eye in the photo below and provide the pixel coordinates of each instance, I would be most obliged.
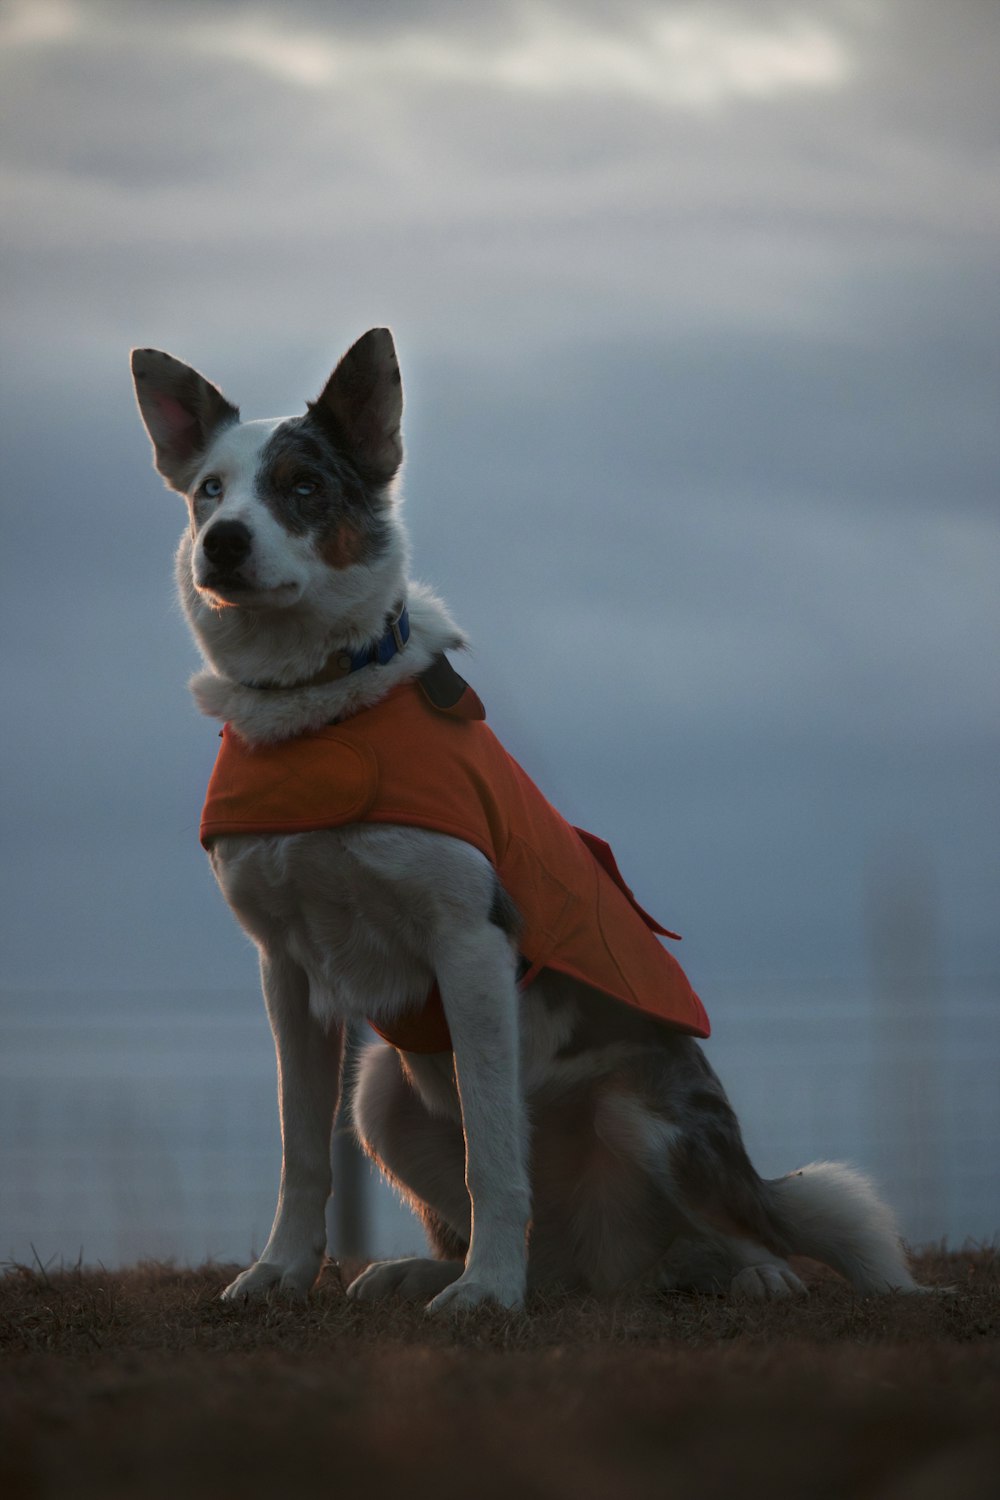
(212, 488)
(304, 487)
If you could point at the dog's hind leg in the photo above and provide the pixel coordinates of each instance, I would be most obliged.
(745, 1225)
(423, 1156)
(626, 1209)
(730, 1240)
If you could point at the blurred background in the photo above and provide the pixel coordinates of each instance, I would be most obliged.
(697, 312)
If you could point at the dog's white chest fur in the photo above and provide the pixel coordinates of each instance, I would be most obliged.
(361, 909)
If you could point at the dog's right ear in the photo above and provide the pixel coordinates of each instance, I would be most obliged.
(363, 404)
(181, 410)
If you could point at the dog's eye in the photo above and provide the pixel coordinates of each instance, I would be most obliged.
(304, 487)
(212, 487)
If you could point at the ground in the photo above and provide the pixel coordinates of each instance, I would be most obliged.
(140, 1383)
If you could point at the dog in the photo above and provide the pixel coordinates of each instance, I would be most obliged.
(555, 1136)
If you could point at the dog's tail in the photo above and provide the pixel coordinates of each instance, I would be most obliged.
(833, 1214)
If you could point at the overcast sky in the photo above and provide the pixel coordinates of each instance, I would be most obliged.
(697, 312)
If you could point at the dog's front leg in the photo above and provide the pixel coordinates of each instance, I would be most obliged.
(309, 1064)
(478, 987)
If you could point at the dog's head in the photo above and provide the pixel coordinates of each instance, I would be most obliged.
(280, 507)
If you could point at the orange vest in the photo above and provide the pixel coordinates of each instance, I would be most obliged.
(405, 761)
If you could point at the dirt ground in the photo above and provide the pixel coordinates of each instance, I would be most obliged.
(140, 1383)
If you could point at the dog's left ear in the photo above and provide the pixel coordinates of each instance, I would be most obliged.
(181, 410)
(362, 403)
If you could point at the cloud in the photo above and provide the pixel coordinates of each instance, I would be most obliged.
(685, 167)
(677, 57)
(693, 58)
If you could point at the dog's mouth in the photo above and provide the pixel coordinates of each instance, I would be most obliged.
(229, 589)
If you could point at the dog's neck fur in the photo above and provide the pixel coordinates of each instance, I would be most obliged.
(240, 646)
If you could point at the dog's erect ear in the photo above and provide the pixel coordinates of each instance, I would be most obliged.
(362, 403)
(182, 412)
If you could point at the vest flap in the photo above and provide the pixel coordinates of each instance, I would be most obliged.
(606, 859)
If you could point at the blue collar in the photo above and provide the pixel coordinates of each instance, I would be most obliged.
(394, 638)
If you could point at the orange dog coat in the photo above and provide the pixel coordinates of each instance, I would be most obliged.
(405, 761)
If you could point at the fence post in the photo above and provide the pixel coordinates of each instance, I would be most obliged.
(902, 911)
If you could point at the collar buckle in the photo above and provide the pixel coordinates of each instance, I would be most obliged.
(397, 626)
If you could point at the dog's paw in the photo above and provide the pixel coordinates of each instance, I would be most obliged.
(265, 1279)
(414, 1279)
(472, 1291)
(767, 1281)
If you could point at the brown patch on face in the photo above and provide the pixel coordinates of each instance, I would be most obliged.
(313, 490)
(343, 548)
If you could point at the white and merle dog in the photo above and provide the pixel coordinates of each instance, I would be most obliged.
(567, 1141)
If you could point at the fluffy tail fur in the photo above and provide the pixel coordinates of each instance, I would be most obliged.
(833, 1214)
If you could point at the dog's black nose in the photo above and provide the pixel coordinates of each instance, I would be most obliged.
(227, 544)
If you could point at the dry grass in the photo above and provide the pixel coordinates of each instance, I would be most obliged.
(140, 1383)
